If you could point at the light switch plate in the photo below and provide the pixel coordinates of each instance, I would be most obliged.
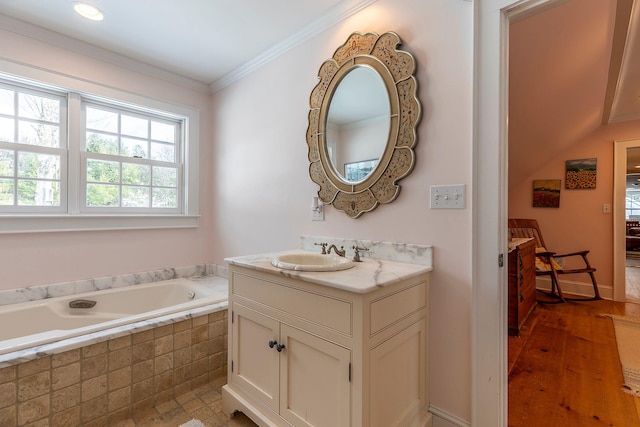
(447, 196)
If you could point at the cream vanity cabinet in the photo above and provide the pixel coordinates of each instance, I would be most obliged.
(308, 354)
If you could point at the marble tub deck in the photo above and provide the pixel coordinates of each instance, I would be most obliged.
(217, 283)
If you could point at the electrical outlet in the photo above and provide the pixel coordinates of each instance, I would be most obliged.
(317, 213)
(447, 196)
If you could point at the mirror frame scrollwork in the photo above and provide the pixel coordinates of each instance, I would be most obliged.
(396, 68)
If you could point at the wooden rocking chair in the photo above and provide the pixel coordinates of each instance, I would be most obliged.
(549, 263)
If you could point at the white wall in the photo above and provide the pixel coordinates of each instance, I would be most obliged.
(362, 141)
(262, 189)
(255, 191)
(44, 258)
(579, 210)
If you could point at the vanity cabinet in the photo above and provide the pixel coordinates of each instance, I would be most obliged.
(307, 354)
(305, 381)
(522, 282)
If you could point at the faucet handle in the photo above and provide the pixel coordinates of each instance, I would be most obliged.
(356, 256)
(324, 247)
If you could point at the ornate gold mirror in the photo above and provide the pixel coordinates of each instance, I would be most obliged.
(362, 123)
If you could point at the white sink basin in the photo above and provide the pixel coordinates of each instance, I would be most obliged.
(311, 262)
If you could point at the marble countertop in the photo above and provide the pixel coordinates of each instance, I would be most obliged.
(364, 277)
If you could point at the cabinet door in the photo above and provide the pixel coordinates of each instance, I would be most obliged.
(314, 380)
(398, 378)
(255, 363)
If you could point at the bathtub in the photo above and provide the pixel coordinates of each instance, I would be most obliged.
(35, 323)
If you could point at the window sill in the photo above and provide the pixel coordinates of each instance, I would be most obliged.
(53, 223)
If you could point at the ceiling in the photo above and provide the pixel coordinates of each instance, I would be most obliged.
(573, 67)
(206, 41)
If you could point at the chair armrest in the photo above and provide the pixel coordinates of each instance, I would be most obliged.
(546, 254)
(580, 253)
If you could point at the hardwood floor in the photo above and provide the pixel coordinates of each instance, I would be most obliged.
(564, 368)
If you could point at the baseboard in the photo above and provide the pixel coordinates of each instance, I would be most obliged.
(442, 418)
(575, 288)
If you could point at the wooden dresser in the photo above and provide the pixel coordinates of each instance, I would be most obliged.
(522, 282)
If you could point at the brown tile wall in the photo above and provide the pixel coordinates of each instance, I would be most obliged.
(105, 382)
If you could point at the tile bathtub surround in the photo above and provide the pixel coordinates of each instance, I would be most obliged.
(33, 293)
(389, 251)
(107, 382)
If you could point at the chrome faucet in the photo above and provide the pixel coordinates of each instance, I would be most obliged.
(356, 256)
(340, 251)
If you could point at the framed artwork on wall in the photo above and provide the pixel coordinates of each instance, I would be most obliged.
(546, 193)
(580, 174)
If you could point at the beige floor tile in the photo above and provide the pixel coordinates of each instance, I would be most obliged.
(204, 404)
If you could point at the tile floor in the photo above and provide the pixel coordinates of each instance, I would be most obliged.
(203, 403)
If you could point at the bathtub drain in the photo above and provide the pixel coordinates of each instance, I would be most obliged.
(82, 303)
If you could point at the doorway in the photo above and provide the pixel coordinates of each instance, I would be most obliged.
(626, 222)
(489, 314)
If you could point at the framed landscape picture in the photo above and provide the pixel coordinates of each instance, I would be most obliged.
(546, 193)
(580, 174)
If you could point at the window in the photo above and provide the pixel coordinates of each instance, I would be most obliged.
(82, 160)
(632, 205)
(32, 150)
(130, 161)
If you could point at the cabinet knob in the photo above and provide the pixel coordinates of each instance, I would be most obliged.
(272, 343)
(280, 347)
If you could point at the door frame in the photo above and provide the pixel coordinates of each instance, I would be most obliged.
(619, 207)
(489, 204)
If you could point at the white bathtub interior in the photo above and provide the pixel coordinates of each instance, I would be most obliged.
(44, 321)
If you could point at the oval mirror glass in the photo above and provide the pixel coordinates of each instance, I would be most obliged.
(358, 123)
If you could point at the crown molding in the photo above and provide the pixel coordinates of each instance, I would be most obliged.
(336, 14)
(74, 45)
(333, 16)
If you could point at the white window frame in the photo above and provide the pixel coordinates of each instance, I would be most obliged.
(84, 156)
(61, 150)
(75, 218)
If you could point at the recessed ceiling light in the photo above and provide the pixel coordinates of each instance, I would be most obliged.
(88, 11)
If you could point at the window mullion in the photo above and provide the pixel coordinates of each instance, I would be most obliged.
(76, 128)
